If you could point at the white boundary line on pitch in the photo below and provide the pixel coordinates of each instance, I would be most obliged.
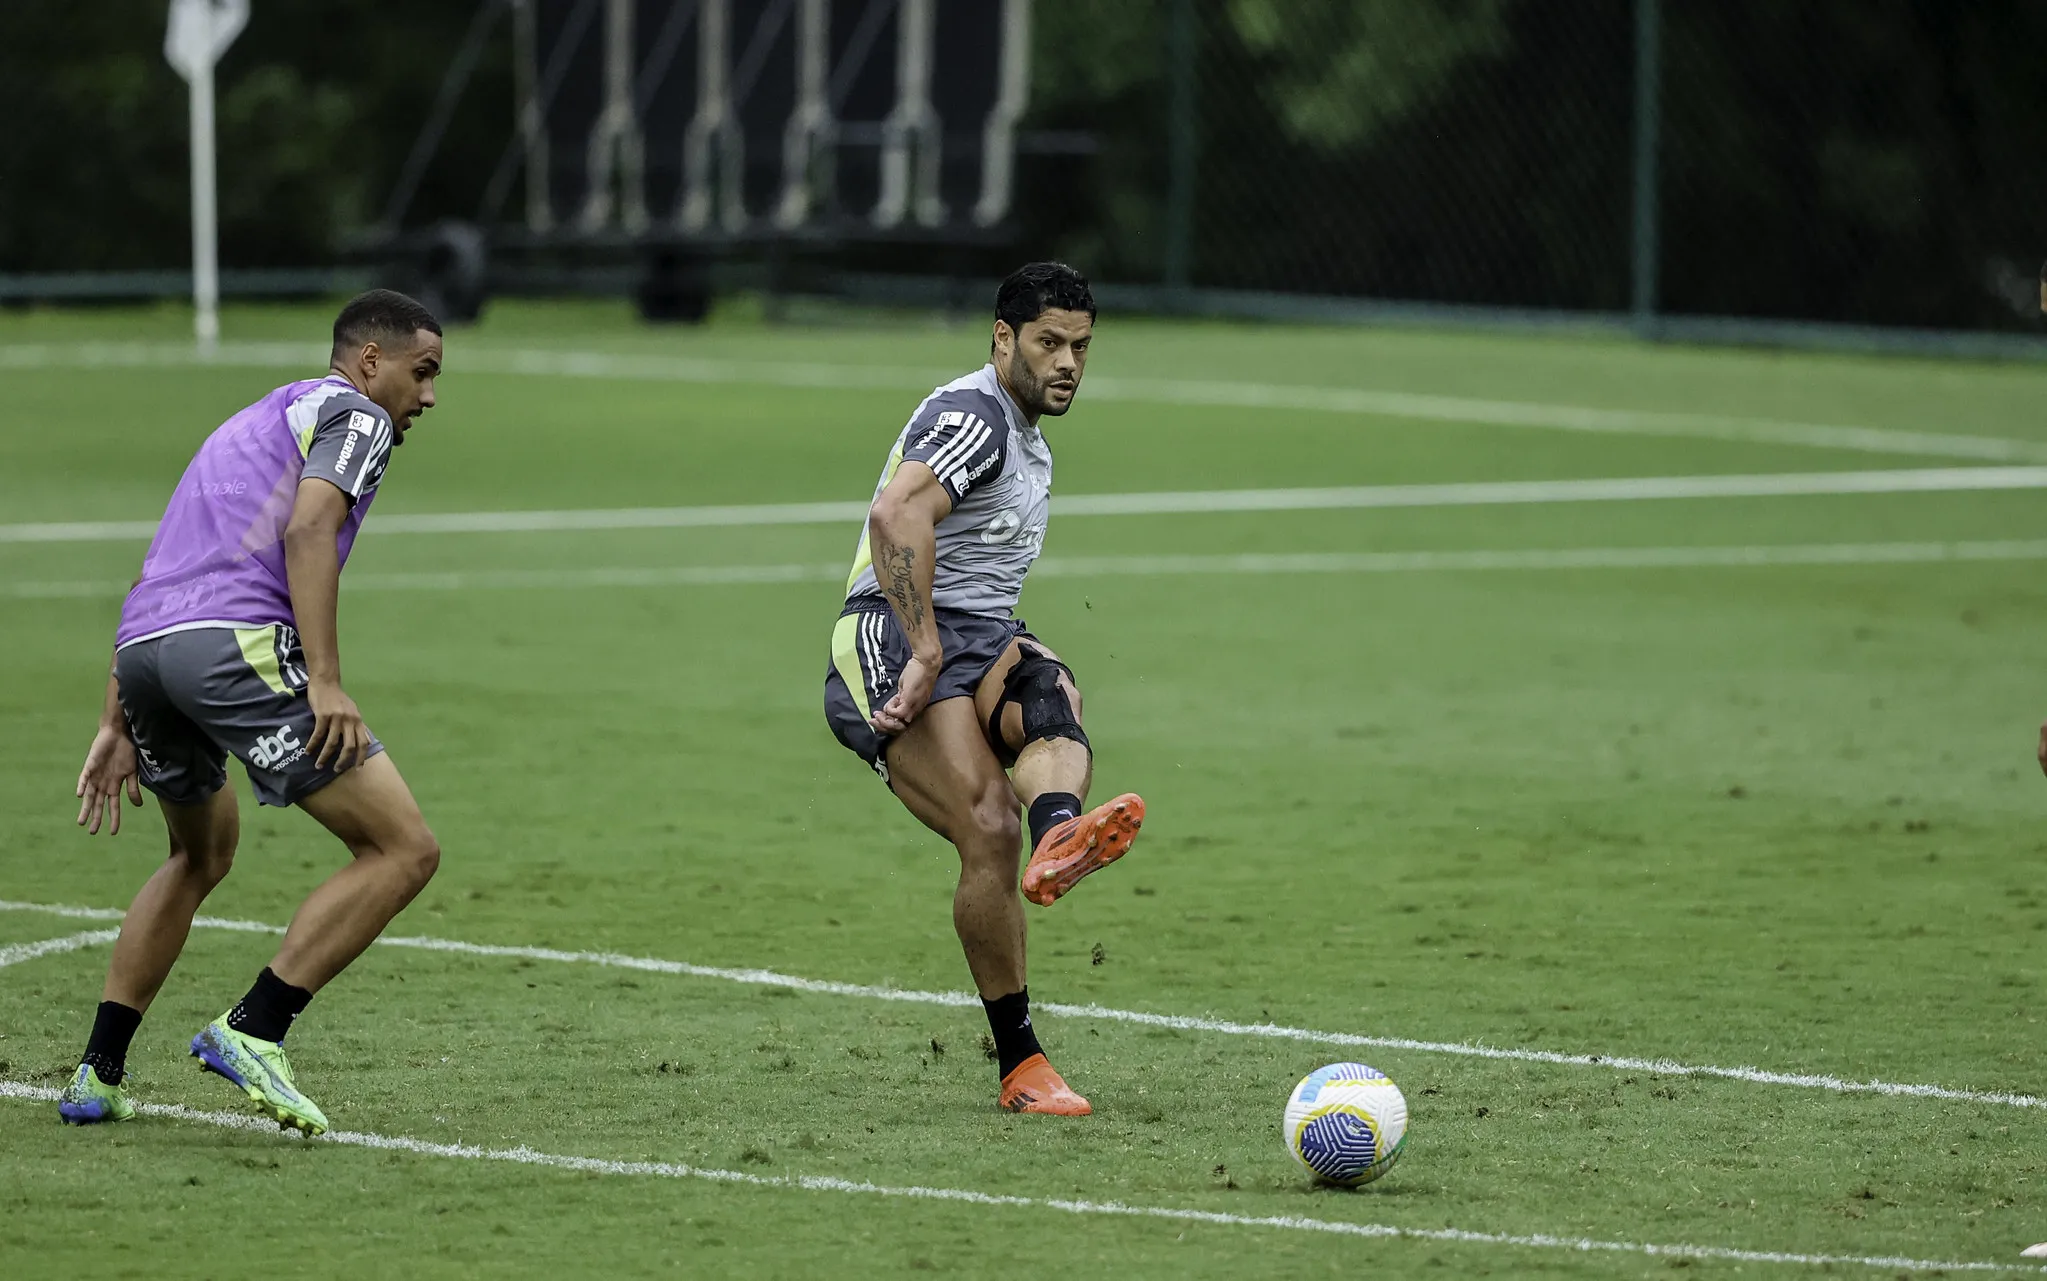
(16, 953)
(1578, 558)
(24, 1093)
(1177, 1022)
(1191, 392)
(1927, 480)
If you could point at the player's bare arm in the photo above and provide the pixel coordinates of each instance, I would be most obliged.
(109, 768)
(314, 567)
(903, 524)
(2043, 749)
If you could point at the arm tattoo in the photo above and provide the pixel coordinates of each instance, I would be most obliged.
(899, 563)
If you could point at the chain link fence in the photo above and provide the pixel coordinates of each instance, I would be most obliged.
(1856, 161)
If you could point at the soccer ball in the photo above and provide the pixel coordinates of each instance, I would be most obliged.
(1346, 1124)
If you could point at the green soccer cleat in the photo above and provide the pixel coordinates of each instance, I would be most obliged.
(264, 1074)
(89, 1100)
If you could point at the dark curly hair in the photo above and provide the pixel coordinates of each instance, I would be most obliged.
(1038, 287)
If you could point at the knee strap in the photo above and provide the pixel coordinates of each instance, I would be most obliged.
(1033, 685)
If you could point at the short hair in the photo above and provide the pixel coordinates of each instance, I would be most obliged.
(1038, 287)
(381, 316)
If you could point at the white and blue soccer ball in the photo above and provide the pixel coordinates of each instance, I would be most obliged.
(1346, 1123)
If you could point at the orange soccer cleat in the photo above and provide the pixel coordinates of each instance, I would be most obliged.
(1080, 846)
(1032, 1086)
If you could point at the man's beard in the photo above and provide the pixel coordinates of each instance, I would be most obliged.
(1030, 390)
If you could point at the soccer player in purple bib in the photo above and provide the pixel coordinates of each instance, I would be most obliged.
(228, 646)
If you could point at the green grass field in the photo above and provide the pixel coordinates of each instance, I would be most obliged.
(1773, 815)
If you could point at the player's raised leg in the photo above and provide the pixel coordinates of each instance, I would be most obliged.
(945, 773)
(1031, 700)
(394, 856)
(203, 838)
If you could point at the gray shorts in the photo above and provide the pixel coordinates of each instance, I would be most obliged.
(192, 698)
(869, 651)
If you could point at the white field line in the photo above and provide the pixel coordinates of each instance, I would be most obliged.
(1929, 480)
(1193, 392)
(1579, 558)
(1572, 418)
(23, 1093)
(1177, 1022)
(16, 953)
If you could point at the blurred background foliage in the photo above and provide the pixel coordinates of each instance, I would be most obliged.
(1871, 161)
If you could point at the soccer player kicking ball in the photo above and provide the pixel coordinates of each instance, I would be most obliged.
(227, 644)
(938, 687)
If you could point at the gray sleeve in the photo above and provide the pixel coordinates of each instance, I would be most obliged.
(350, 446)
(962, 439)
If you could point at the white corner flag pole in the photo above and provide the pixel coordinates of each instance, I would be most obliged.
(200, 32)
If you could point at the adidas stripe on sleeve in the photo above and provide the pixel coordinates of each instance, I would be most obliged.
(963, 446)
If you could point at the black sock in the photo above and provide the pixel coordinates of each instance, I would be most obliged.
(106, 1051)
(1009, 1018)
(267, 1011)
(1049, 811)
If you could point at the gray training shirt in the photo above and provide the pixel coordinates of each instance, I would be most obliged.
(997, 469)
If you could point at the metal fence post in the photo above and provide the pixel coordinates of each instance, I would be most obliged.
(1648, 130)
(1180, 144)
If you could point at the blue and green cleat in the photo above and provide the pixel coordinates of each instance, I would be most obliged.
(89, 1100)
(262, 1072)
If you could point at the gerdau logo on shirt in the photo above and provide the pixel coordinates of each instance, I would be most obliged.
(963, 478)
(359, 424)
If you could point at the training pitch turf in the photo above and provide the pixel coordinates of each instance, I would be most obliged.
(1571, 778)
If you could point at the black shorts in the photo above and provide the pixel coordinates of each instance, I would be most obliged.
(194, 697)
(869, 651)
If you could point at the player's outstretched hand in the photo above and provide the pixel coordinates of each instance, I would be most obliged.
(2043, 749)
(109, 767)
(338, 731)
(913, 691)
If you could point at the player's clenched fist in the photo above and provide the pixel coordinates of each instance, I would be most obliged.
(913, 693)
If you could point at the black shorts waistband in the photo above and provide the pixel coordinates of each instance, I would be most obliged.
(867, 603)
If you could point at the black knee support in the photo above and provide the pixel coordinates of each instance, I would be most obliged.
(1033, 685)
